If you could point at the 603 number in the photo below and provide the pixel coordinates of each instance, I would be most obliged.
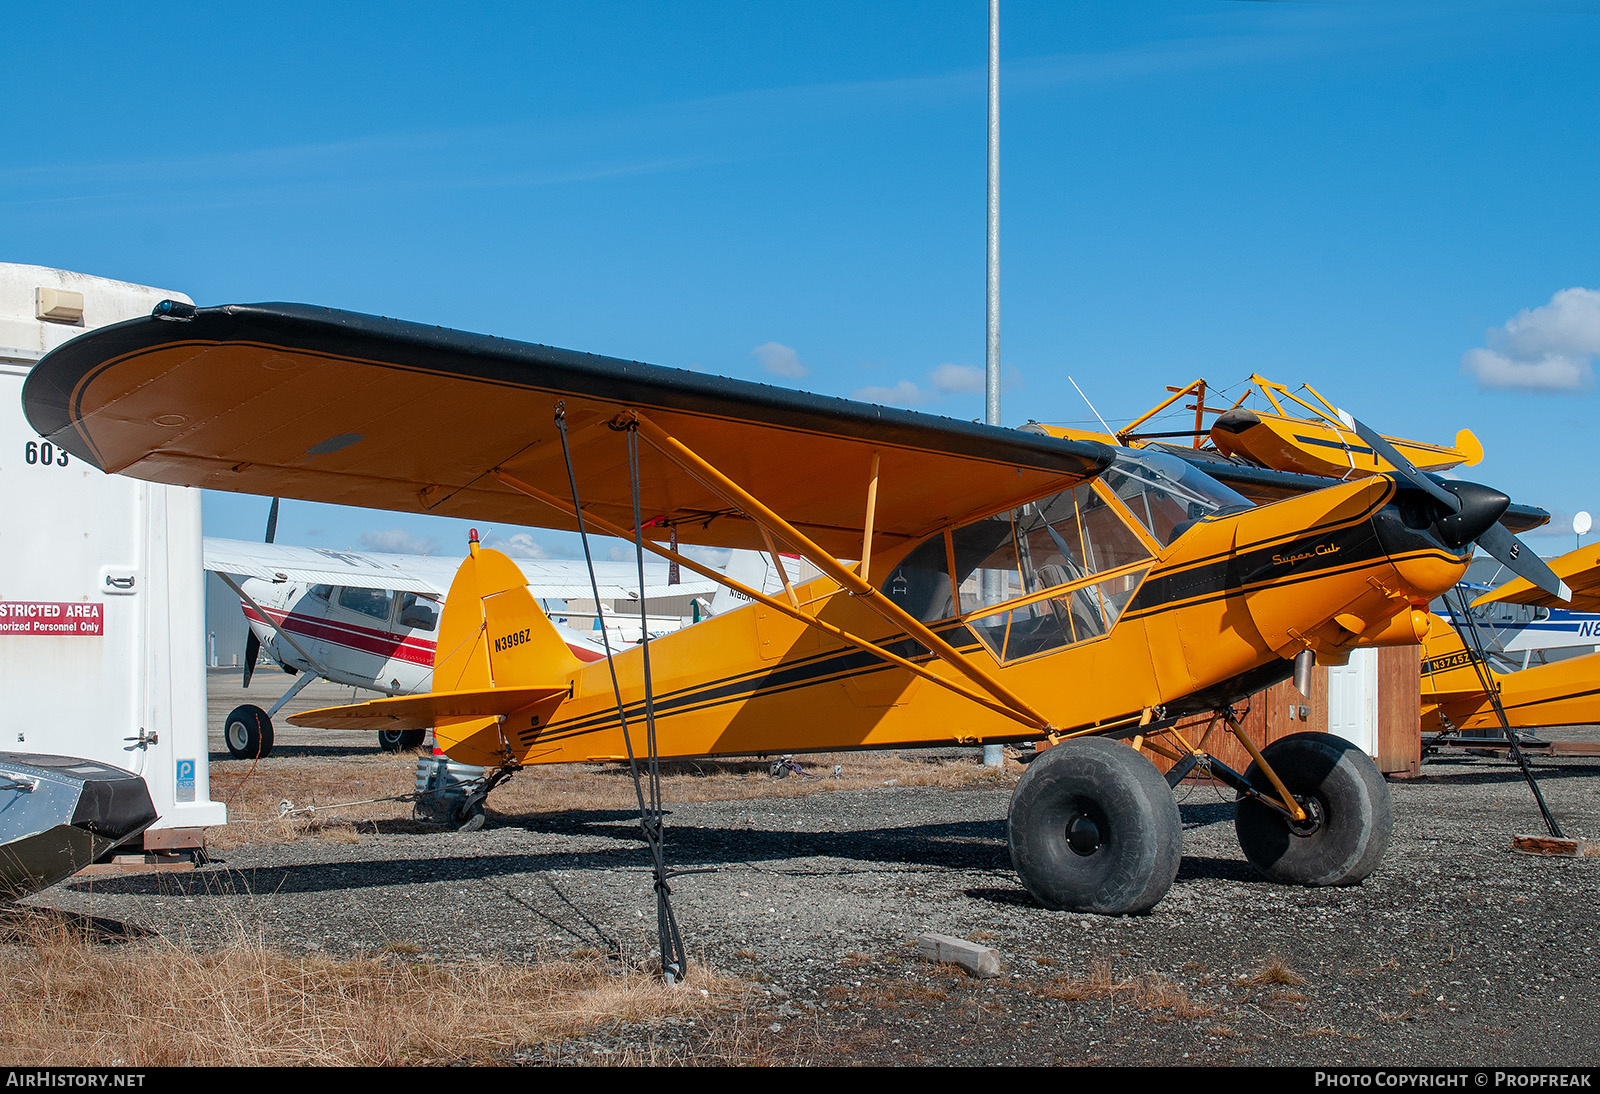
(44, 452)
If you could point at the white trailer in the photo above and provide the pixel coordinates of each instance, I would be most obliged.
(102, 613)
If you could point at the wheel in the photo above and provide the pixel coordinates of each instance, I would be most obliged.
(467, 814)
(1093, 827)
(248, 733)
(1351, 816)
(400, 740)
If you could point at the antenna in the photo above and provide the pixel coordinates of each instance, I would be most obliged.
(1085, 398)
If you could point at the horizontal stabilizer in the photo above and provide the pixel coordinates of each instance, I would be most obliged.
(425, 711)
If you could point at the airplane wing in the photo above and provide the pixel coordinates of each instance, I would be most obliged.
(315, 566)
(548, 579)
(423, 419)
(1580, 569)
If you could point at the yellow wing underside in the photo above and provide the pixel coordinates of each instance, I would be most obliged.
(285, 400)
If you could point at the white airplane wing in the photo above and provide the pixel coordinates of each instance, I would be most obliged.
(552, 579)
(316, 566)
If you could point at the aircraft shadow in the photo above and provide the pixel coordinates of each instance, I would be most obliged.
(22, 925)
(968, 845)
(303, 752)
(1508, 772)
(957, 846)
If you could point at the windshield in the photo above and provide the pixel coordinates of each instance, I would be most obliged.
(1167, 494)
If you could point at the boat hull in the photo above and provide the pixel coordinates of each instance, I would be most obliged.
(59, 814)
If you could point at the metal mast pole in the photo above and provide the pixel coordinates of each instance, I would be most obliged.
(992, 371)
(993, 755)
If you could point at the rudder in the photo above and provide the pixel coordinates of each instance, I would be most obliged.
(492, 634)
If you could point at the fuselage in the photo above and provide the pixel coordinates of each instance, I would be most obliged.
(1565, 692)
(1127, 594)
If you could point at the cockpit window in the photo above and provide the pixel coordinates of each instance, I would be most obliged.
(1057, 541)
(420, 613)
(373, 602)
(1166, 494)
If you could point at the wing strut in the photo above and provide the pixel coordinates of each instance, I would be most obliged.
(1468, 629)
(870, 595)
(999, 700)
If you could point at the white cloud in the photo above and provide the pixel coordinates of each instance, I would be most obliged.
(958, 379)
(521, 545)
(946, 379)
(1547, 348)
(779, 360)
(397, 541)
(905, 393)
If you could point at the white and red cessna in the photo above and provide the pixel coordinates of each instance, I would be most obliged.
(369, 620)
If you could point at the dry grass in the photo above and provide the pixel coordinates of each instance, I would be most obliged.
(1150, 992)
(1275, 974)
(254, 790)
(71, 999)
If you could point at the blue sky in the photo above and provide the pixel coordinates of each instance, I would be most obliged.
(1381, 199)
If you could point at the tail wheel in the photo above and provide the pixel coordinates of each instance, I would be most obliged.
(248, 733)
(1349, 813)
(1093, 827)
(467, 814)
(400, 740)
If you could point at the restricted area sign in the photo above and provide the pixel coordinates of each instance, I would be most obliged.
(45, 618)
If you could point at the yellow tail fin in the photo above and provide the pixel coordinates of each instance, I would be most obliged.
(492, 632)
(493, 635)
(500, 671)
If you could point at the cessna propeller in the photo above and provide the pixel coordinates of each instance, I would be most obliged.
(1468, 512)
(252, 644)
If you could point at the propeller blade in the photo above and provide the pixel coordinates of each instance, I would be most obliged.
(1497, 540)
(1520, 559)
(252, 650)
(272, 522)
(1383, 448)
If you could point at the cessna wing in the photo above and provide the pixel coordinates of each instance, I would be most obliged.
(548, 579)
(423, 419)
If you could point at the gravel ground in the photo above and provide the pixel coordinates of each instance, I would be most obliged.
(1458, 951)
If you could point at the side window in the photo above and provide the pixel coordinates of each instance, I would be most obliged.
(420, 613)
(322, 592)
(373, 602)
(1063, 541)
(921, 584)
(986, 562)
(1108, 543)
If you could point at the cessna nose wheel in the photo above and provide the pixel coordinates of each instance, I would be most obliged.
(248, 733)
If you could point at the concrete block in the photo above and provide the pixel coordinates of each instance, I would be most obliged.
(978, 961)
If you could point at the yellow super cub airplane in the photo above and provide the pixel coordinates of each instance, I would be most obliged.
(1010, 586)
(1456, 680)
